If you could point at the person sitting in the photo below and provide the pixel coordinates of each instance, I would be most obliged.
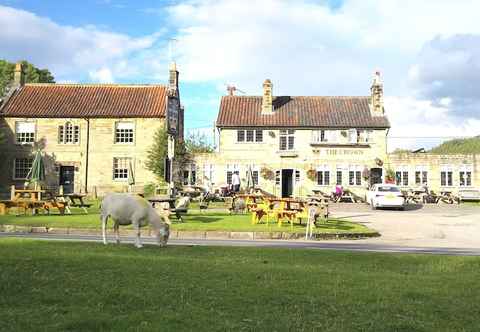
(338, 192)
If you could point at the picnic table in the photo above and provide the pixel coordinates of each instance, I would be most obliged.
(26, 199)
(74, 200)
(171, 204)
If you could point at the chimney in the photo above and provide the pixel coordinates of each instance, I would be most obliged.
(173, 80)
(267, 100)
(377, 95)
(18, 75)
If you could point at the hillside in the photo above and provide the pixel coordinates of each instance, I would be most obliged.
(459, 146)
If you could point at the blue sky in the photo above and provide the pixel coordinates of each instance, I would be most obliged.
(429, 57)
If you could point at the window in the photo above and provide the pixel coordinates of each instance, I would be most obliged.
(124, 132)
(287, 139)
(230, 170)
(186, 174)
(120, 168)
(249, 136)
(21, 168)
(421, 175)
(208, 173)
(323, 176)
(446, 176)
(68, 133)
(297, 176)
(25, 132)
(401, 176)
(323, 136)
(355, 176)
(352, 136)
(364, 136)
(240, 135)
(259, 135)
(465, 175)
(339, 176)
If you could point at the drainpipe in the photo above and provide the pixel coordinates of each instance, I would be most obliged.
(87, 155)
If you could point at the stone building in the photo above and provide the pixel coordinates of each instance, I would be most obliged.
(296, 144)
(92, 135)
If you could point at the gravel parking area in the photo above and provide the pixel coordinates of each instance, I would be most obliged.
(444, 225)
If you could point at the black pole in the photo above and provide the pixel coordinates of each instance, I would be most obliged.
(87, 155)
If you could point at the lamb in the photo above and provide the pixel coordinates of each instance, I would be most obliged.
(126, 209)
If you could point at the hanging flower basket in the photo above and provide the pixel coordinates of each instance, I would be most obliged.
(379, 162)
(267, 173)
(390, 176)
(366, 174)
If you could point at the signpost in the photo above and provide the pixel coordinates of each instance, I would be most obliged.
(173, 105)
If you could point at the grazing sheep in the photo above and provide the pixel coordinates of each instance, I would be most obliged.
(126, 209)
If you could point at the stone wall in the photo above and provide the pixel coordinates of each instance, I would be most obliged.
(102, 150)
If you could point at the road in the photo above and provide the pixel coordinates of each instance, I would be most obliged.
(354, 246)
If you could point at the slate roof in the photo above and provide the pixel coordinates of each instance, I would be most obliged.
(331, 112)
(86, 101)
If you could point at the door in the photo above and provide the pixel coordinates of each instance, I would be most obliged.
(287, 182)
(375, 176)
(67, 177)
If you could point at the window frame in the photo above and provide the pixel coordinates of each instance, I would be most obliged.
(75, 134)
(28, 142)
(448, 171)
(116, 171)
(14, 173)
(466, 170)
(323, 175)
(243, 134)
(289, 136)
(356, 171)
(116, 134)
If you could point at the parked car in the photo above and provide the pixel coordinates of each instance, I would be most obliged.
(385, 195)
(469, 195)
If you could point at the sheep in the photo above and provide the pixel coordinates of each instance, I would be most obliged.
(126, 209)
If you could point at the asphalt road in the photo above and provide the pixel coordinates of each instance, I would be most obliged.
(312, 245)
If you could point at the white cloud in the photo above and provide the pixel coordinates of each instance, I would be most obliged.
(103, 75)
(67, 51)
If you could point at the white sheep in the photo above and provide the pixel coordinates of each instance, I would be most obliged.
(126, 209)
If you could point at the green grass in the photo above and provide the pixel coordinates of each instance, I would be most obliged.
(57, 286)
(194, 221)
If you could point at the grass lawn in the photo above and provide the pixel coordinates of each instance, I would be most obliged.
(59, 286)
(194, 221)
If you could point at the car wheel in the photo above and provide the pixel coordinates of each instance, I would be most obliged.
(402, 208)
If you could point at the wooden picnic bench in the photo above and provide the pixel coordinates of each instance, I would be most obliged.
(171, 205)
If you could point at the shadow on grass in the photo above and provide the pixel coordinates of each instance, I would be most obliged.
(202, 219)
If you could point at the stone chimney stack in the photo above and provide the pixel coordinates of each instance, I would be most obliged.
(377, 95)
(18, 75)
(173, 80)
(267, 100)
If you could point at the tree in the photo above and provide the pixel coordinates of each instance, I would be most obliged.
(459, 146)
(158, 152)
(32, 75)
(197, 143)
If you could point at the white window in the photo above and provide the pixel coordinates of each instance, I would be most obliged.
(421, 175)
(255, 173)
(364, 136)
(323, 176)
(339, 175)
(287, 139)
(21, 167)
(190, 175)
(249, 136)
(401, 176)
(120, 168)
(465, 175)
(124, 132)
(209, 173)
(68, 133)
(355, 175)
(352, 136)
(25, 132)
(446, 176)
(230, 170)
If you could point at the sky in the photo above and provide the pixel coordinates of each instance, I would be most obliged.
(427, 51)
